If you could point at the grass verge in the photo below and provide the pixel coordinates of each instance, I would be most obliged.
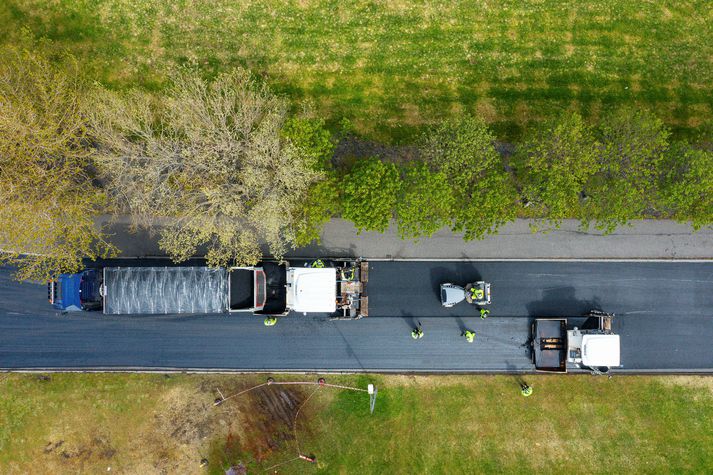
(91, 423)
(392, 67)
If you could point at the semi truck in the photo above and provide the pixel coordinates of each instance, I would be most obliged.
(556, 347)
(333, 287)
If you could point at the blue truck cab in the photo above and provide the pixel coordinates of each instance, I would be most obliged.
(76, 292)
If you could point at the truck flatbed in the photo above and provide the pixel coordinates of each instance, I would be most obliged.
(164, 290)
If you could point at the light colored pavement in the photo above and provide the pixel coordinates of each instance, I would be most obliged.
(645, 239)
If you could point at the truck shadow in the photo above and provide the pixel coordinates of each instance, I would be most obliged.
(561, 302)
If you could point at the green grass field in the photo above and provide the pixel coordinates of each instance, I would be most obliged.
(86, 423)
(393, 66)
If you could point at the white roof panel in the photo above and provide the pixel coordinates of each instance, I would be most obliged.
(314, 290)
(601, 350)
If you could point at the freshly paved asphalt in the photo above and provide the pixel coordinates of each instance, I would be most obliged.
(664, 316)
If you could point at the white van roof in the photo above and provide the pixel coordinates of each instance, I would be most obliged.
(601, 350)
(313, 289)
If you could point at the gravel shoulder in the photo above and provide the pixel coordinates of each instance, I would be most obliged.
(644, 239)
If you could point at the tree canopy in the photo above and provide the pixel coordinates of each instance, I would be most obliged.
(370, 190)
(322, 201)
(464, 151)
(631, 147)
(554, 164)
(48, 201)
(425, 204)
(206, 163)
(687, 184)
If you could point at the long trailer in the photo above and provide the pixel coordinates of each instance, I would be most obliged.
(333, 287)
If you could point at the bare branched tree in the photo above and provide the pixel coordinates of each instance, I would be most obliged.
(206, 164)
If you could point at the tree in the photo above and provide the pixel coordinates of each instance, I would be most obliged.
(425, 204)
(312, 138)
(630, 151)
(463, 150)
(321, 203)
(209, 156)
(370, 191)
(555, 163)
(687, 183)
(322, 200)
(47, 197)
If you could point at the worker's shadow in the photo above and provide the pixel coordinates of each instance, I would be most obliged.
(517, 377)
(461, 325)
(410, 320)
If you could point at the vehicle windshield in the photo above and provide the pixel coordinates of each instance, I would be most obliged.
(89, 294)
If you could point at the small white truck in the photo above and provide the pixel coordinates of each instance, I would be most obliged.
(594, 347)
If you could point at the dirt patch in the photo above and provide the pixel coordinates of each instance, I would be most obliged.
(485, 108)
(265, 425)
(352, 147)
(269, 418)
(78, 454)
(186, 416)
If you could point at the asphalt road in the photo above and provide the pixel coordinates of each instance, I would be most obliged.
(664, 315)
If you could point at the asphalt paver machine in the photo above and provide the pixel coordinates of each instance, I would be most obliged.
(475, 293)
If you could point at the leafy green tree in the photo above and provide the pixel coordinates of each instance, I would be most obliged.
(312, 138)
(370, 190)
(322, 203)
(425, 204)
(322, 200)
(687, 184)
(463, 150)
(630, 152)
(206, 163)
(48, 201)
(554, 165)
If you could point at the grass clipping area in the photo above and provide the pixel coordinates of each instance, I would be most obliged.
(99, 423)
(392, 66)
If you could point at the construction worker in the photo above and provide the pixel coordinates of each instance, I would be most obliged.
(525, 389)
(347, 276)
(469, 336)
(476, 293)
(484, 313)
(318, 264)
(270, 321)
(417, 333)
